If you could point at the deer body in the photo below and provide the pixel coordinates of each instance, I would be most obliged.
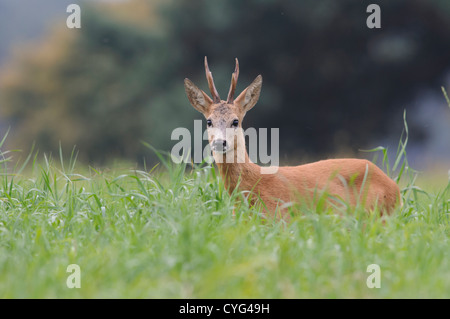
(345, 179)
(350, 180)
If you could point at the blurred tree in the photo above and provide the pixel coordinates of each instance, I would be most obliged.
(95, 87)
(329, 81)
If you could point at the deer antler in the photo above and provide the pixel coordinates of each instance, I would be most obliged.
(212, 87)
(234, 78)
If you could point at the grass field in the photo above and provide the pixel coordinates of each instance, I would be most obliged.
(169, 233)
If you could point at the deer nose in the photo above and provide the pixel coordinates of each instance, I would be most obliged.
(219, 145)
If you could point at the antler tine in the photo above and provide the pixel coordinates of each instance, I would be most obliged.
(234, 79)
(212, 87)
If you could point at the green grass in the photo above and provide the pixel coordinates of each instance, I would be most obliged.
(169, 233)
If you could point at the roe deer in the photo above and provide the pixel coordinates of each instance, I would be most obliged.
(351, 180)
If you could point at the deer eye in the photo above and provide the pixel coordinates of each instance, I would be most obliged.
(235, 123)
(209, 123)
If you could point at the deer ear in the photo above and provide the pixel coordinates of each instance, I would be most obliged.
(248, 98)
(199, 99)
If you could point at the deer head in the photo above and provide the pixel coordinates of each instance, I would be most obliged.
(224, 118)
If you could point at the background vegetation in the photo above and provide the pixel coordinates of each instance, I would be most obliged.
(167, 231)
(331, 84)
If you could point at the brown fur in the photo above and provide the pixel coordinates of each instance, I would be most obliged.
(352, 180)
(342, 178)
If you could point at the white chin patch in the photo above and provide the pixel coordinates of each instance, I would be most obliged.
(220, 150)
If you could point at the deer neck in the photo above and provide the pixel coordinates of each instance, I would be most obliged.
(235, 167)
